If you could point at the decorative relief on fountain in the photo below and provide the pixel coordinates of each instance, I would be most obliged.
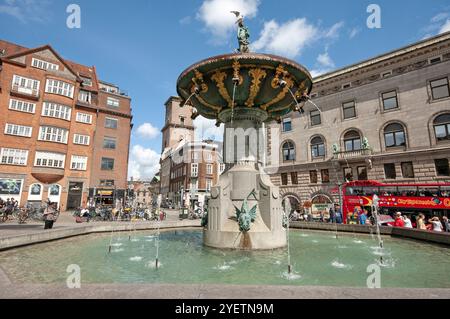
(257, 75)
(219, 77)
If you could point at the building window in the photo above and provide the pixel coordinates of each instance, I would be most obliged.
(59, 87)
(53, 134)
(390, 100)
(284, 179)
(208, 156)
(294, 178)
(349, 110)
(325, 175)
(107, 182)
(85, 97)
(112, 102)
(182, 118)
(289, 151)
(111, 123)
(442, 167)
(209, 169)
(221, 168)
(362, 173)
(313, 177)
(287, 125)
(348, 174)
(194, 185)
(86, 81)
(352, 141)
(22, 106)
(46, 159)
(78, 163)
(394, 135)
(81, 139)
(44, 65)
(194, 170)
(407, 170)
(25, 85)
(107, 164)
(18, 130)
(109, 143)
(389, 171)
(440, 89)
(208, 184)
(442, 127)
(11, 156)
(317, 147)
(84, 118)
(194, 156)
(315, 118)
(56, 110)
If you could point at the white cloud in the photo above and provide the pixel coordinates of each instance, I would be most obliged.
(439, 17)
(216, 16)
(186, 20)
(325, 60)
(147, 130)
(290, 38)
(144, 163)
(445, 27)
(333, 32)
(354, 32)
(207, 129)
(287, 39)
(325, 64)
(26, 10)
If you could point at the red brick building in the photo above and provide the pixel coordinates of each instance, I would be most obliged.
(64, 134)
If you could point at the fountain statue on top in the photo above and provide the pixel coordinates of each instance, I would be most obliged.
(243, 34)
(244, 91)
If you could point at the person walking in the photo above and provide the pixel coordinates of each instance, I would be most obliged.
(421, 222)
(446, 224)
(437, 225)
(338, 215)
(407, 222)
(363, 218)
(333, 214)
(49, 216)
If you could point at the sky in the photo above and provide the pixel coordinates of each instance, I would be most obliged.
(143, 46)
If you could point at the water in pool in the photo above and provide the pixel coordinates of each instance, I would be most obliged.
(318, 258)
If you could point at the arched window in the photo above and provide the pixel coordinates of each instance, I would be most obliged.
(352, 141)
(288, 151)
(317, 147)
(394, 135)
(442, 127)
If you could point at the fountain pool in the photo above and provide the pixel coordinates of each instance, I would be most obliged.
(318, 259)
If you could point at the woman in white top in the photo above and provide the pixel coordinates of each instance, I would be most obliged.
(407, 222)
(437, 225)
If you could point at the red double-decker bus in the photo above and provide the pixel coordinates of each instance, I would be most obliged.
(410, 199)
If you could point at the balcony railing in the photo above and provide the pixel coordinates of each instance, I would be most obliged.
(353, 154)
(24, 90)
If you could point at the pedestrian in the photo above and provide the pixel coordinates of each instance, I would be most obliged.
(437, 225)
(49, 216)
(338, 215)
(363, 218)
(446, 224)
(421, 222)
(407, 222)
(399, 220)
(333, 214)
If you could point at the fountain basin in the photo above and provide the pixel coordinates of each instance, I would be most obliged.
(318, 260)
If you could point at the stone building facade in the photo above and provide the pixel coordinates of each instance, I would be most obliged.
(384, 119)
(52, 139)
(189, 168)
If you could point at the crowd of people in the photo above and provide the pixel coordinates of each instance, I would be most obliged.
(7, 208)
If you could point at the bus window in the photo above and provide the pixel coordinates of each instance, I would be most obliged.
(428, 191)
(370, 191)
(445, 191)
(388, 191)
(407, 191)
(353, 191)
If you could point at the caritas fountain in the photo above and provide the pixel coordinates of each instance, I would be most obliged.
(244, 91)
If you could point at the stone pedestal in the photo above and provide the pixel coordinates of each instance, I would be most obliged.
(244, 152)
